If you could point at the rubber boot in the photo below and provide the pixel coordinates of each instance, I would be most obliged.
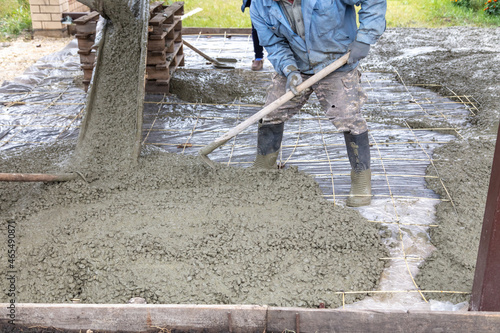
(358, 150)
(268, 145)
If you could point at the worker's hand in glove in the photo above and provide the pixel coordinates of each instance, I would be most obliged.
(293, 79)
(358, 50)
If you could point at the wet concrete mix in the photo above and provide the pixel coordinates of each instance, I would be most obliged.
(461, 59)
(172, 230)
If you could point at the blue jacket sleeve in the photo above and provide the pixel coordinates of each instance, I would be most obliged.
(278, 50)
(371, 20)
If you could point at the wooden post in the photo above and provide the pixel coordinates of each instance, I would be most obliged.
(486, 288)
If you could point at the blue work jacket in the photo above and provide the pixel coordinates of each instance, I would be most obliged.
(330, 26)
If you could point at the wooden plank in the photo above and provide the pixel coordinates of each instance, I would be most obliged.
(85, 35)
(156, 58)
(92, 16)
(174, 48)
(156, 44)
(157, 29)
(326, 320)
(179, 61)
(154, 73)
(155, 7)
(85, 43)
(140, 318)
(89, 27)
(87, 58)
(74, 15)
(157, 37)
(172, 37)
(157, 19)
(245, 318)
(486, 286)
(177, 24)
(177, 8)
(87, 74)
(84, 52)
(171, 26)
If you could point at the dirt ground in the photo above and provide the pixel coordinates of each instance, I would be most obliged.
(17, 55)
(462, 59)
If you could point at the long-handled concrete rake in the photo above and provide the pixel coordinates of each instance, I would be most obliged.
(203, 153)
(216, 63)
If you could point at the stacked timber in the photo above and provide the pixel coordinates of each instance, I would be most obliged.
(165, 50)
(85, 34)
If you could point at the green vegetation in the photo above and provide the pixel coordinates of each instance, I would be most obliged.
(15, 18)
(492, 7)
(15, 14)
(400, 13)
(439, 13)
(216, 13)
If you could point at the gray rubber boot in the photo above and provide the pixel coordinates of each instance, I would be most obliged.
(268, 145)
(358, 150)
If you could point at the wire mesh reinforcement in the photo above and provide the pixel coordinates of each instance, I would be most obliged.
(407, 122)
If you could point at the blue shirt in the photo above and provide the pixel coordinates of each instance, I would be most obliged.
(330, 26)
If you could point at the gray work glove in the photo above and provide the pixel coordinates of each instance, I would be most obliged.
(293, 79)
(359, 50)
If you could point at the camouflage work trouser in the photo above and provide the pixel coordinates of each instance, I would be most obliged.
(340, 95)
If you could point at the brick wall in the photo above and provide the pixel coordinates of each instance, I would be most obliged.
(46, 16)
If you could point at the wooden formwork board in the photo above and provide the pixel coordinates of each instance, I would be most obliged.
(243, 318)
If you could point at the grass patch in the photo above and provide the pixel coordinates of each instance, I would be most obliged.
(15, 18)
(400, 13)
(216, 14)
(15, 15)
(437, 13)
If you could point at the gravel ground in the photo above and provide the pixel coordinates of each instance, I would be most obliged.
(16, 56)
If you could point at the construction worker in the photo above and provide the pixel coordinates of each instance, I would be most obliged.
(302, 37)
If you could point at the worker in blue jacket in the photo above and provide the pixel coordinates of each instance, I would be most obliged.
(302, 37)
(258, 62)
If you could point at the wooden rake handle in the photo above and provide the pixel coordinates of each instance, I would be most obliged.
(207, 57)
(37, 177)
(269, 108)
